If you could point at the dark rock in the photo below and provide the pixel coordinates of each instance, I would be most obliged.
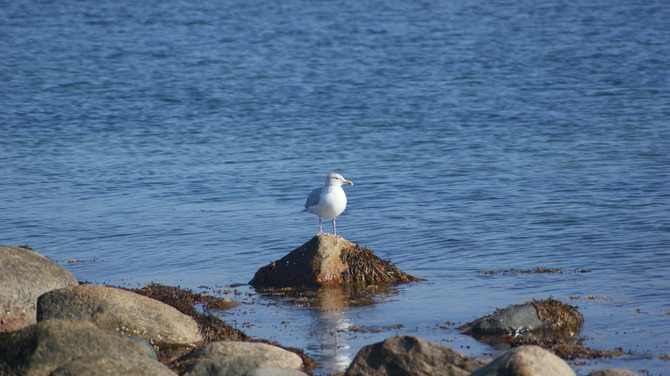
(613, 372)
(526, 361)
(328, 259)
(408, 355)
(122, 310)
(547, 314)
(24, 276)
(49, 345)
(236, 358)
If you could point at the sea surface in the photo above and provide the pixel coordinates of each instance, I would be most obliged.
(176, 142)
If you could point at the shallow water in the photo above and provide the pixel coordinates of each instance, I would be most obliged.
(176, 143)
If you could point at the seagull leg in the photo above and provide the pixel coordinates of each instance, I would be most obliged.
(334, 227)
(320, 226)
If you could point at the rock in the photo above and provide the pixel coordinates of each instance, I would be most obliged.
(232, 358)
(49, 345)
(408, 355)
(613, 372)
(325, 260)
(273, 371)
(112, 365)
(526, 361)
(547, 314)
(24, 276)
(122, 310)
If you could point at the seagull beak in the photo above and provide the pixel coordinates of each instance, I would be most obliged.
(349, 182)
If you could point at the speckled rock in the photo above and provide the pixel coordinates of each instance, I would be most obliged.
(409, 355)
(613, 372)
(49, 345)
(122, 310)
(24, 276)
(526, 361)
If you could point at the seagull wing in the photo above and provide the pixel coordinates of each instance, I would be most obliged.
(313, 198)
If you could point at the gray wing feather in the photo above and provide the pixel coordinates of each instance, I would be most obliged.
(313, 198)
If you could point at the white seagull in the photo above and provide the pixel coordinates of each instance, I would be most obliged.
(328, 201)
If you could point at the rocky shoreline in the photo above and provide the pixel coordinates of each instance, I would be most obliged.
(51, 324)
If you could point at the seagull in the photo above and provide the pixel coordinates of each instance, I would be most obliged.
(328, 201)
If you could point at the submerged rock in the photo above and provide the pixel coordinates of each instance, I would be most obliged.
(326, 260)
(409, 355)
(526, 361)
(24, 276)
(117, 309)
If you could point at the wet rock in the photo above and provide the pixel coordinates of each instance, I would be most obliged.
(613, 372)
(274, 371)
(122, 310)
(24, 276)
(229, 358)
(526, 361)
(113, 364)
(328, 259)
(49, 345)
(547, 314)
(408, 355)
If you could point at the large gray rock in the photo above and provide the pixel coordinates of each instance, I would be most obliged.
(409, 355)
(122, 310)
(526, 361)
(49, 345)
(613, 372)
(233, 358)
(24, 276)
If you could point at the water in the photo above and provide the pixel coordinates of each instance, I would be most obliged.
(176, 143)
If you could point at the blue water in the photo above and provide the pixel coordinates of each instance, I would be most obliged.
(176, 142)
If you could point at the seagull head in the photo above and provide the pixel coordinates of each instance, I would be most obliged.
(337, 180)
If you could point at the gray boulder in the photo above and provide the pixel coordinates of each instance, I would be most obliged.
(49, 345)
(409, 355)
(232, 358)
(24, 276)
(526, 361)
(116, 309)
(613, 372)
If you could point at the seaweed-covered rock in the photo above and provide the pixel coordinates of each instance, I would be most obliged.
(47, 346)
(409, 355)
(526, 361)
(118, 309)
(24, 276)
(328, 259)
(546, 314)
